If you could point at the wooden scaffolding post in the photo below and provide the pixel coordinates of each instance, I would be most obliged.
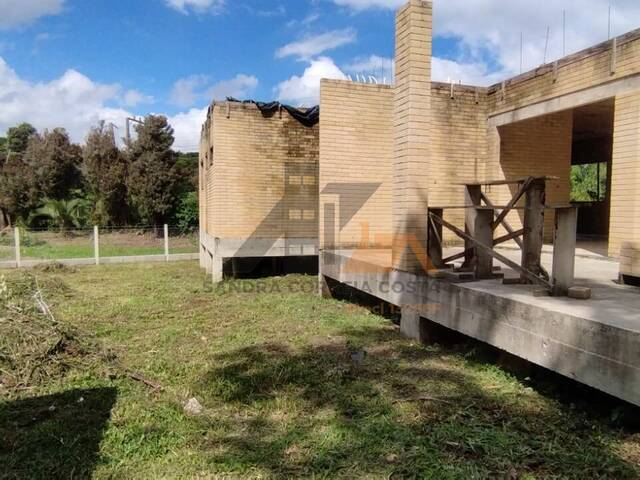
(533, 227)
(472, 196)
(483, 233)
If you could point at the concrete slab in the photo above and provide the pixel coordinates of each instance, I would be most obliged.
(596, 342)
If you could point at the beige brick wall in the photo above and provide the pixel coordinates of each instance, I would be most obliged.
(356, 146)
(536, 147)
(624, 234)
(458, 141)
(412, 125)
(260, 175)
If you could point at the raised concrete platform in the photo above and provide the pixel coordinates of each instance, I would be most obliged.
(596, 342)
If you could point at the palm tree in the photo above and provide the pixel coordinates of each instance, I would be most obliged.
(65, 214)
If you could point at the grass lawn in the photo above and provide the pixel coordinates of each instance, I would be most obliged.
(291, 385)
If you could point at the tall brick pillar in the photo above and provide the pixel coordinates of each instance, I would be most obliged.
(412, 112)
(624, 231)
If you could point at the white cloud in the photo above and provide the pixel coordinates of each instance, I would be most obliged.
(187, 91)
(359, 5)
(474, 73)
(305, 90)
(240, 86)
(76, 102)
(187, 127)
(16, 13)
(194, 89)
(133, 98)
(197, 6)
(487, 32)
(72, 101)
(314, 45)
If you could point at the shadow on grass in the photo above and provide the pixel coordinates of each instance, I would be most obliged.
(397, 410)
(54, 436)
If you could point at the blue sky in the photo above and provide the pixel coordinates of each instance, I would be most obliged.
(72, 62)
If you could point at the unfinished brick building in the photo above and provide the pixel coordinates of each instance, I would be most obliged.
(395, 158)
(398, 163)
(258, 186)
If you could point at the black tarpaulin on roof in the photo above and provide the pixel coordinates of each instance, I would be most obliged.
(306, 116)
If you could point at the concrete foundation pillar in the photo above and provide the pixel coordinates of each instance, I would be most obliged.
(411, 325)
(216, 269)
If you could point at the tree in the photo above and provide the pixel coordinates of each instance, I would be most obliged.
(17, 181)
(65, 214)
(153, 176)
(18, 138)
(56, 163)
(105, 169)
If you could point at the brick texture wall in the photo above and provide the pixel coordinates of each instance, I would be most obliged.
(259, 175)
(624, 235)
(356, 146)
(412, 126)
(537, 147)
(458, 141)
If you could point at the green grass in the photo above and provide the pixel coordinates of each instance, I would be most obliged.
(58, 252)
(283, 394)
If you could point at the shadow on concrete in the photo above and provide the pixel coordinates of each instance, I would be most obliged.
(368, 403)
(54, 436)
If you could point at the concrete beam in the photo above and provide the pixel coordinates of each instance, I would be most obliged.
(565, 102)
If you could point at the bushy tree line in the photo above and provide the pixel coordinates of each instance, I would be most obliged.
(45, 179)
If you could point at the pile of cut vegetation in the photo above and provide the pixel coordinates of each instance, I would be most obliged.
(34, 346)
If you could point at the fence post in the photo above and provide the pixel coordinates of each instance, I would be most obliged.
(16, 233)
(166, 242)
(96, 244)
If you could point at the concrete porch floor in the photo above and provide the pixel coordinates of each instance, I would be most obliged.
(596, 342)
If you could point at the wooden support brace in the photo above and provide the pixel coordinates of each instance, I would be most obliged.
(472, 196)
(496, 242)
(512, 203)
(532, 277)
(434, 239)
(533, 228)
(507, 226)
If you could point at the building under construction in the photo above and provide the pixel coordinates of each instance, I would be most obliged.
(453, 202)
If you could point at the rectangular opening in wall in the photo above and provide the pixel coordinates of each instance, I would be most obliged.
(592, 148)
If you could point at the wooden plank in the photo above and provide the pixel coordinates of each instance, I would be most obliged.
(496, 242)
(512, 203)
(507, 226)
(533, 228)
(472, 196)
(434, 239)
(483, 234)
(501, 258)
(511, 181)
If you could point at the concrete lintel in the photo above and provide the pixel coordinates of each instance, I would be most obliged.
(568, 101)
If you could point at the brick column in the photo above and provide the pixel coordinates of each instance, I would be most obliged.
(624, 231)
(412, 108)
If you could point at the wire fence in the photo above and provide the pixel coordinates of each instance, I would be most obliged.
(26, 246)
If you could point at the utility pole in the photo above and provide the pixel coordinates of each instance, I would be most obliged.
(129, 120)
(112, 127)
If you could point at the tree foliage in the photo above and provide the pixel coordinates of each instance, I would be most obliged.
(153, 174)
(64, 214)
(105, 169)
(584, 182)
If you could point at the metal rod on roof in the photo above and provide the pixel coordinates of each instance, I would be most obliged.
(546, 45)
(521, 49)
(609, 25)
(564, 33)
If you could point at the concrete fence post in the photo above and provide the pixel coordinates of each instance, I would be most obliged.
(96, 244)
(16, 233)
(166, 242)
